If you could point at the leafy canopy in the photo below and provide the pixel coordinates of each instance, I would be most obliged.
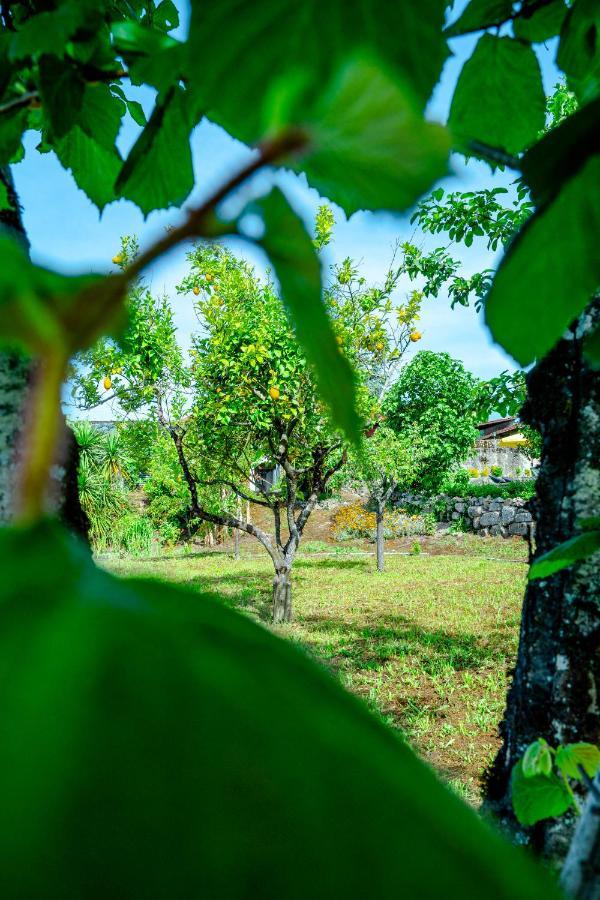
(436, 397)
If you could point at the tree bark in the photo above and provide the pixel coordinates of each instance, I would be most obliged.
(282, 595)
(15, 371)
(580, 877)
(380, 537)
(556, 683)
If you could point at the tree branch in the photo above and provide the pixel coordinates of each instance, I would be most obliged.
(198, 222)
(231, 484)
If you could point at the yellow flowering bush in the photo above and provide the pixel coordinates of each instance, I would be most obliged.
(354, 520)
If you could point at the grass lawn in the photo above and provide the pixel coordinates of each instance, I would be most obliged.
(428, 644)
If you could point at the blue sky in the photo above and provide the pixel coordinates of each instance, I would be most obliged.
(67, 233)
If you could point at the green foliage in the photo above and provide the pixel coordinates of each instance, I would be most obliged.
(480, 14)
(556, 290)
(357, 520)
(540, 780)
(523, 489)
(507, 73)
(297, 267)
(574, 550)
(384, 462)
(101, 476)
(148, 176)
(538, 797)
(296, 60)
(357, 173)
(436, 397)
(543, 23)
(137, 704)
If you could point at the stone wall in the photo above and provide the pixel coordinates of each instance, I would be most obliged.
(482, 515)
(487, 515)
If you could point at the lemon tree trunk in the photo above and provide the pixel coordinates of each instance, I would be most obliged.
(380, 536)
(282, 595)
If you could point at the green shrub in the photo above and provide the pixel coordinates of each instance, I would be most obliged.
(356, 521)
(133, 534)
(523, 489)
(496, 470)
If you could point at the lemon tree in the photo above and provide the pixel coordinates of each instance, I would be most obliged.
(259, 424)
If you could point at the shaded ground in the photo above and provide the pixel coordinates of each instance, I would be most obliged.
(428, 644)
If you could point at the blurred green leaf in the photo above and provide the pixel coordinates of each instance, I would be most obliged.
(561, 153)
(538, 797)
(570, 756)
(567, 553)
(165, 15)
(157, 744)
(62, 92)
(158, 171)
(542, 24)
(285, 39)
(46, 32)
(297, 266)
(550, 271)
(12, 126)
(507, 74)
(152, 56)
(480, 14)
(579, 49)
(370, 148)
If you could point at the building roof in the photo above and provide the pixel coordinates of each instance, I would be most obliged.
(499, 427)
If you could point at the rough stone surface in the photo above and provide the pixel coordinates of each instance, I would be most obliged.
(489, 518)
(507, 514)
(479, 515)
(496, 530)
(523, 516)
(518, 528)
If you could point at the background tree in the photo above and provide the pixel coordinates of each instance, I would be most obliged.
(528, 309)
(384, 463)
(436, 397)
(257, 408)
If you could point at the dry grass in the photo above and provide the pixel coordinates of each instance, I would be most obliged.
(428, 644)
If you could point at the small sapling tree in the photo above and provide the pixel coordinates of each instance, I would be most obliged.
(385, 462)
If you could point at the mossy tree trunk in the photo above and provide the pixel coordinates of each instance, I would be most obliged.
(555, 691)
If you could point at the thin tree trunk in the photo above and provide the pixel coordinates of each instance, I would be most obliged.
(236, 533)
(555, 692)
(380, 537)
(282, 595)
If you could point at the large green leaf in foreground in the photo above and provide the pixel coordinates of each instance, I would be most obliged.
(370, 147)
(550, 271)
(156, 744)
(286, 40)
(499, 98)
(298, 269)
